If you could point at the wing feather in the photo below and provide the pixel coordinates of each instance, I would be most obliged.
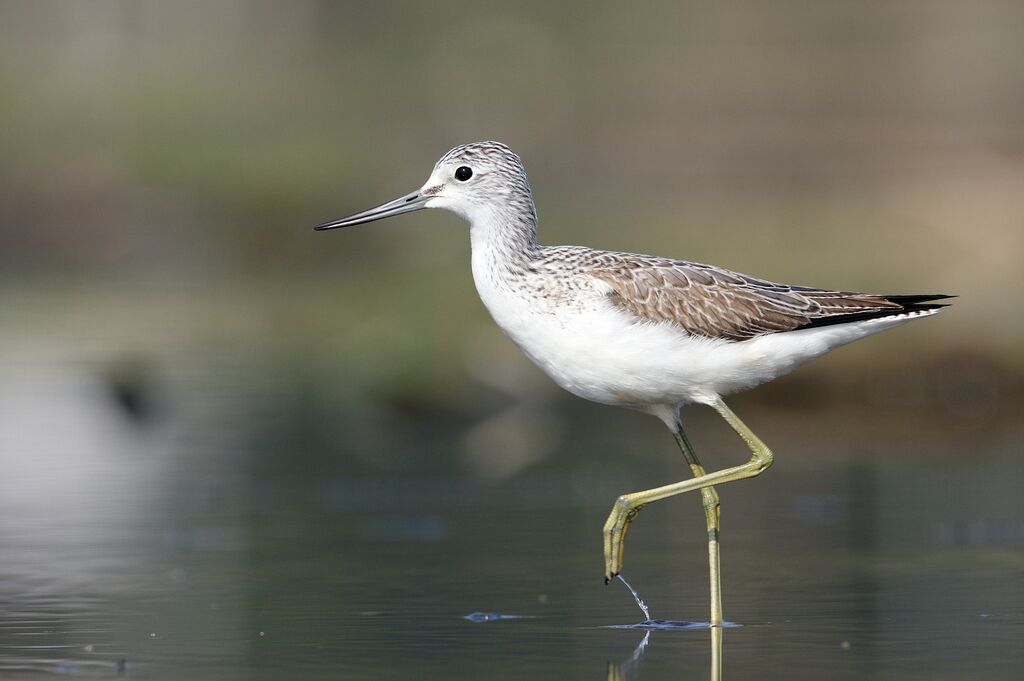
(713, 302)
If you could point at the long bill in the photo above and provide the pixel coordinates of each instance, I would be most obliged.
(404, 204)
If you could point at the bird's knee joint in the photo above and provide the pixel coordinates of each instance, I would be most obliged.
(762, 461)
(626, 507)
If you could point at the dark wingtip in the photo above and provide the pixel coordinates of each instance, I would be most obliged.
(907, 304)
(911, 300)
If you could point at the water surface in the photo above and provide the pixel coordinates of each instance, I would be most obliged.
(233, 529)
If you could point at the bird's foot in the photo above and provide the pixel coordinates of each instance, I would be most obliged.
(615, 530)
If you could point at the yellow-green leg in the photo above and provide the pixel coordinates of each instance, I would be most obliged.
(709, 497)
(628, 505)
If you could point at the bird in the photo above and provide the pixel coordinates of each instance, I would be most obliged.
(648, 333)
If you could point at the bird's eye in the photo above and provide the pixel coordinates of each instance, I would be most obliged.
(463, 173)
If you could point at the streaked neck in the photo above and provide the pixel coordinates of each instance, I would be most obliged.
(506, 234)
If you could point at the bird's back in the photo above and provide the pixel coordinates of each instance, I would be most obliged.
(714, 302)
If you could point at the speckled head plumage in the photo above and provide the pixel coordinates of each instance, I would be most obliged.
(481, 181)
(481, 177)
(490, 152)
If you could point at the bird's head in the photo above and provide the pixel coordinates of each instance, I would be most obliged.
(472, 180)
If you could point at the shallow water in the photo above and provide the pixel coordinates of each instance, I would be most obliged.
(222, 537)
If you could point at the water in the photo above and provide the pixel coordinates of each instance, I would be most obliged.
(636, 597)
(243, 528)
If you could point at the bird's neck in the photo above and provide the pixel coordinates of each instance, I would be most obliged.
(506, 236)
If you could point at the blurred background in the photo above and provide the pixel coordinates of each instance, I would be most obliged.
(230, 446)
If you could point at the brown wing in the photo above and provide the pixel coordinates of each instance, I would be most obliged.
(712, 302)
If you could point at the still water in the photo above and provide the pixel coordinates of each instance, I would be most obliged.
(200, 523)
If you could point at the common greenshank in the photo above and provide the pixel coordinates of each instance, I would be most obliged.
(639, 331)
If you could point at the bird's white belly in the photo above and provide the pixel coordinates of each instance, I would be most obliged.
(597, 352)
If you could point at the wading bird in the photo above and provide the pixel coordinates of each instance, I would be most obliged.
(639, 331)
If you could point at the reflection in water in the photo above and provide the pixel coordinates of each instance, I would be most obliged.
(629, 669)
(626, 669)
(717, 633)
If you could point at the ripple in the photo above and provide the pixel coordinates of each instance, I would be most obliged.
(669, 625)
(492, 617)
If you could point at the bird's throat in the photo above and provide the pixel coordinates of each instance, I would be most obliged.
(504, 239)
